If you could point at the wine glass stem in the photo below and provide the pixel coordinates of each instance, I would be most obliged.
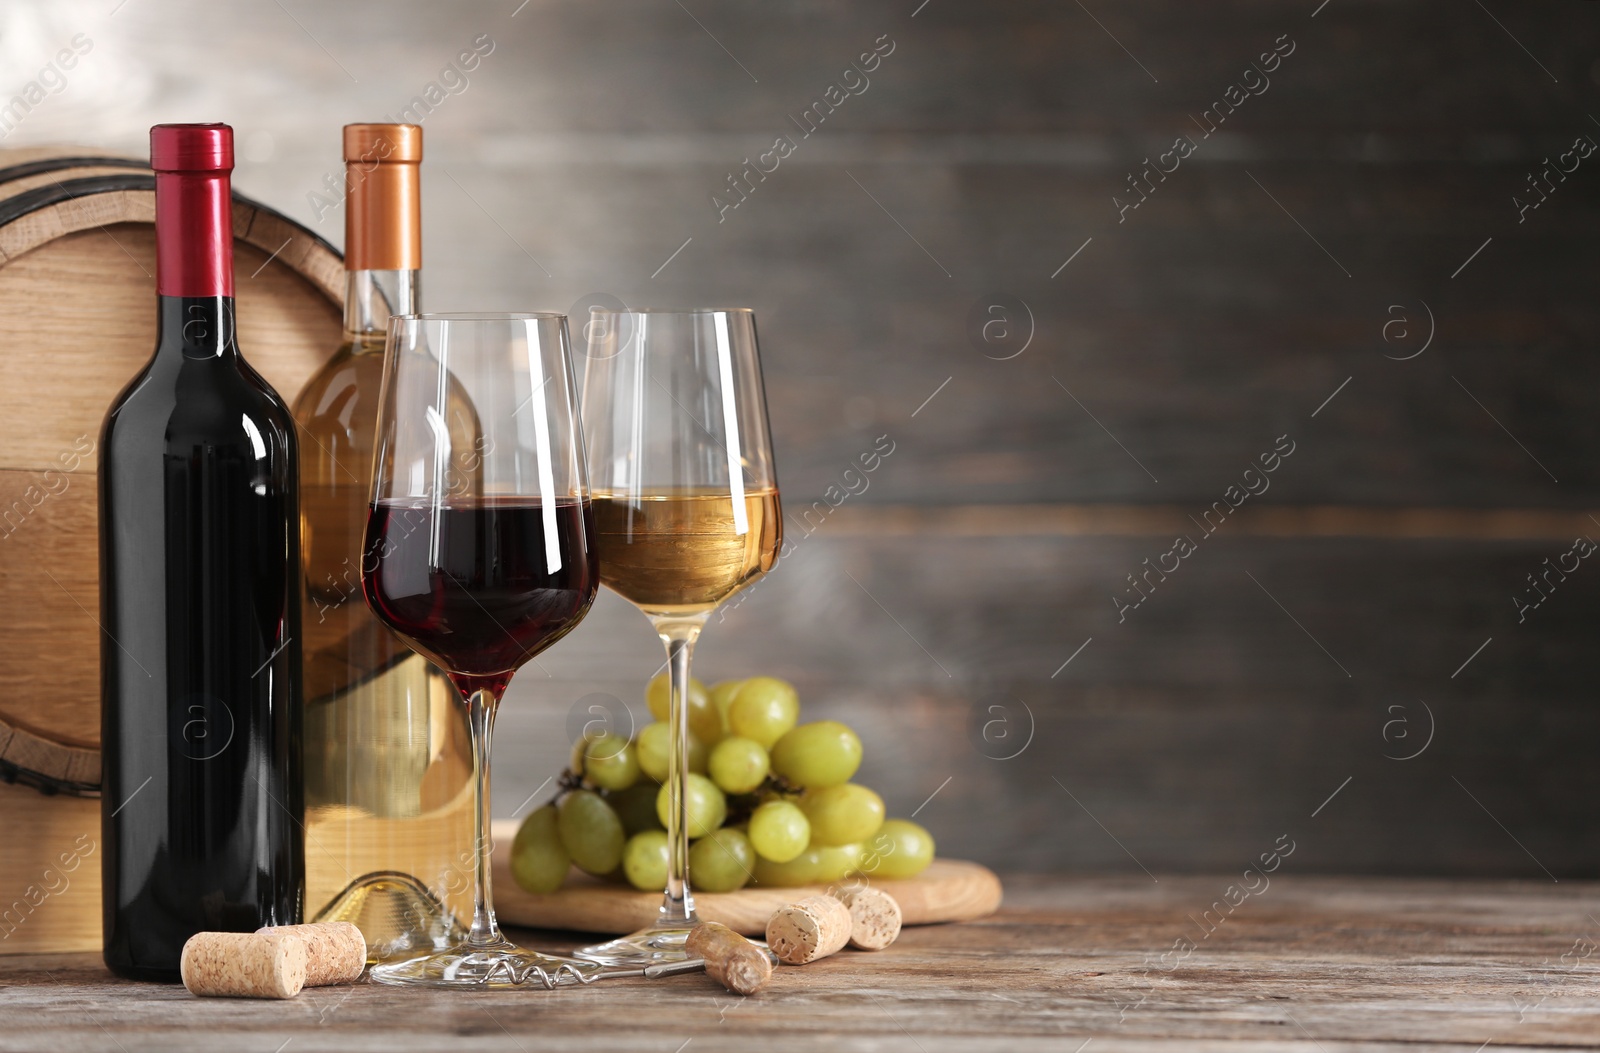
(481, 708)
(679, 635)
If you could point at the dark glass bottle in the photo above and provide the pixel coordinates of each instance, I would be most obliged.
(201, 814)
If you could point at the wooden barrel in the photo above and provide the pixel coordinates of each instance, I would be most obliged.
(77, 320)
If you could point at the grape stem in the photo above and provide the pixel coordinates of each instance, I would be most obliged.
(567, 780)
(742, 805)
(781, 785)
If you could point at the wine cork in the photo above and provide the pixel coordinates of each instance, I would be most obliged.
(731, 960)
(874, 917)
(813, 928)
(243, 965)
(336, 950)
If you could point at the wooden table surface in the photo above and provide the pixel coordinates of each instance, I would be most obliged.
(1320, 965)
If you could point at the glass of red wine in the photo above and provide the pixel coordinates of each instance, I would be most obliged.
(479, 551)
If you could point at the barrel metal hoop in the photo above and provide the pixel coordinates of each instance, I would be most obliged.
(56, 164)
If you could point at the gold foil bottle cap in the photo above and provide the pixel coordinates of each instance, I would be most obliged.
(383, 197)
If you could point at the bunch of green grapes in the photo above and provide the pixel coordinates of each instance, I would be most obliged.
(769, 801)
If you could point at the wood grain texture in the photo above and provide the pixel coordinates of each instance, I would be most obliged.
(49, 872)
(949, 890)
(1309, 964)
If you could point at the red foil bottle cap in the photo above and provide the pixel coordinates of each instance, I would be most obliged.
(191, 148)
(194, 209)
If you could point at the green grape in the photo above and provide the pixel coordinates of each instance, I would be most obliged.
(779, 830)
(644, 860)
(792, 873)
(636, 807)
(824, 753)
(591, 831)
(539, 861)
(837, 862)
(722, 694)
(704, 721)
(817, 865)
(901, 849)
(611, 762)
(842, 814)
(721, 861)
(706, 805)
(764, 709)
(653, 748)
(737, 765)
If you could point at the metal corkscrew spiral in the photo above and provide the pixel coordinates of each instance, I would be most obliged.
(519, 973)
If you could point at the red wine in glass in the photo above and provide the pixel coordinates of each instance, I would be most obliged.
(481, 585)
(479, 553)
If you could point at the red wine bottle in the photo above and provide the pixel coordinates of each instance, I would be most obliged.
(202, 807)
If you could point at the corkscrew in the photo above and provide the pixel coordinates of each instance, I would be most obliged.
(570, 974)
(737, 963)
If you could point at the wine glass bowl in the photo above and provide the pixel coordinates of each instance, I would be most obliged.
(479, 548)
(686, 514)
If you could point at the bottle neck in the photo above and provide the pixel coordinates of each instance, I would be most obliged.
(198, 327)
(194, 235)
(371, 297)
(382, 228)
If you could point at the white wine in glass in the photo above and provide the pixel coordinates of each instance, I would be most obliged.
(682, 553)
(686, 514)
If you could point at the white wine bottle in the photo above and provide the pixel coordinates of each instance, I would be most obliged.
(388, 759)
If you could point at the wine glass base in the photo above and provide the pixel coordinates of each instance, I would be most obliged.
(663, 942)
(498, 964)
(400, 917)
(659, 943)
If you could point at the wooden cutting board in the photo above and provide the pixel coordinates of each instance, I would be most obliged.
(949, 890)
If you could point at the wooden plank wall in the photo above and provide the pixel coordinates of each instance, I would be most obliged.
(1342, 261)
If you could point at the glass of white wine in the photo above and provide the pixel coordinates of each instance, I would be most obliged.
(686, 514)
